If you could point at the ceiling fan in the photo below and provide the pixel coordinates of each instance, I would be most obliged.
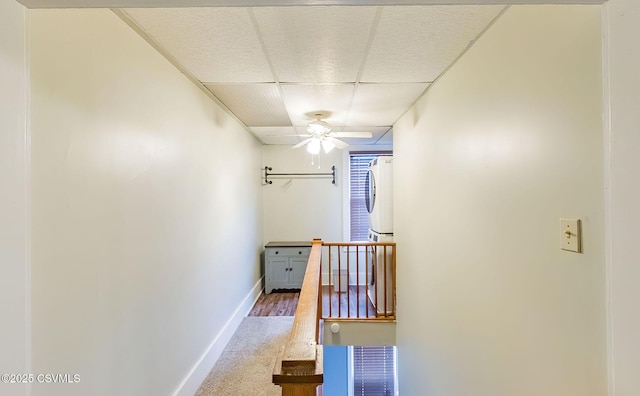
(319, 135)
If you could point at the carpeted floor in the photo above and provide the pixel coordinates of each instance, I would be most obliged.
(246, 364)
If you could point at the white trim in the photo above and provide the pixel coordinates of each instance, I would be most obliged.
(396, 385)
(350, 370)
(608, 197)
(198, 373)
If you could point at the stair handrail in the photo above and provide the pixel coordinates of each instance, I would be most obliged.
(298, 369)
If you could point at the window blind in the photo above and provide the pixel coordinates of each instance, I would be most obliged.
(374, 370)
(359, 217)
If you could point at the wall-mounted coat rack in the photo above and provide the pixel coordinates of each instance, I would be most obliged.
(327, 175)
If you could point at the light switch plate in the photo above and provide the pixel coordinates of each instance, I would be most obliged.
(571, 235)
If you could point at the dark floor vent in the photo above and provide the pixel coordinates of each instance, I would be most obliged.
(374, 371)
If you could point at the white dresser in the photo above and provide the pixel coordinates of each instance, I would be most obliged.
(285, 265)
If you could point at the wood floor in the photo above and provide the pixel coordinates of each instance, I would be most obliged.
(284, 303)
(276, 304)
(353, 303)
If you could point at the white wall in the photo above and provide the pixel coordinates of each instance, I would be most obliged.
(622, 95)
(302, 209)
(500, 148)
(14, 230)
(146, 210)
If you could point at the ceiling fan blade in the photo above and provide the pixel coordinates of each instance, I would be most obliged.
(276, 136)
(302, 143)
(352, 134)
(337, 142)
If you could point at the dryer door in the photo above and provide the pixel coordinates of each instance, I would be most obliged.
(370, 190)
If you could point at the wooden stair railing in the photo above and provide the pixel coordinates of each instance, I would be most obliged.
(372, 265)
(298, 369)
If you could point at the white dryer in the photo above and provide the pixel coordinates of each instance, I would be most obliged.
(379, 194)
(380, 288)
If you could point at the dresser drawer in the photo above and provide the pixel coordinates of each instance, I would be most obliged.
(288, 251)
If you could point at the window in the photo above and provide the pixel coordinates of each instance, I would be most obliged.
(358, 215)
(374, 371)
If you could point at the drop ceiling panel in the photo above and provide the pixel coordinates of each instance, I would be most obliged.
(383, 104)
(253, 104)
(315, 44)
(417, 43)
(304, 100)
(274, 67)
(213, 44)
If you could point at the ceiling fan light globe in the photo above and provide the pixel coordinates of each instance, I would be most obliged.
(327, 146)
(314, 146)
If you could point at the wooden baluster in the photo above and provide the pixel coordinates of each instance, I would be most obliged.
(357, 282)
(339, 286)
(347, 285)
(375, 276)
(384, 250)
(319, 302)
(393, 278)
(330, 283)
(366, 279)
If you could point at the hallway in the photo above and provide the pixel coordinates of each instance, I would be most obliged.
(134, 211)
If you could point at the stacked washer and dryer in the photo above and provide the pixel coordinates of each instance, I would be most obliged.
(379, 201)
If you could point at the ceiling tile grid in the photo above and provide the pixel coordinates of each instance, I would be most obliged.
(361, 67)
(303, 101)
(253, 104)
(417, 43)
(213, 44)
(316, 44)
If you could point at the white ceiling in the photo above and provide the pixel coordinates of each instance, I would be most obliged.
(275, 67)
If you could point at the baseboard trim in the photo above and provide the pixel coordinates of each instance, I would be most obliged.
(190, 384)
